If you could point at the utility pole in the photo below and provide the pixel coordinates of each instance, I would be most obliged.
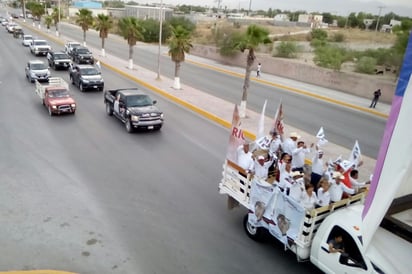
(160, 39)
(250, 7)
(379, 16)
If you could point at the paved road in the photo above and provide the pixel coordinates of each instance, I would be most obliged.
(343, 125)
(78, 193)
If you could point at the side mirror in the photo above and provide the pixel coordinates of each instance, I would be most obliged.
(154, 102)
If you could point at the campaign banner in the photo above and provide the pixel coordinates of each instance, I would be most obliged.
(261, 196)
(236, 137)
(273, 209)
(287, 218)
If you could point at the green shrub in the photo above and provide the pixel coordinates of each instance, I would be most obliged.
(318, 43)
(338, 37)
(287, 50)
(227, 44)
(330, 57)
(319, 34)
(366, 65)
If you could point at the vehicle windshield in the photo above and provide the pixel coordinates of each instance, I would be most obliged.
(61, 56)
(40, 43)
(82, 51)
(138, 101)
(27, 37)
(58, 93)
(38, 66)
(89, 71)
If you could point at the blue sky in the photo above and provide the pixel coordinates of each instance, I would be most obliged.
(339, 7)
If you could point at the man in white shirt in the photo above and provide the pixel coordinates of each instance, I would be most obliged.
(275, 144)
(337, 188)
(318, 169)
(298, 156)
(245, 157)
(289, 145)
(354, 175)
(261, 167)
(296, 186)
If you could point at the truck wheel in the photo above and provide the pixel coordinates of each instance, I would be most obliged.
(109, 110)
(128, 124)
(255, 233)
(81, 87)
(50, 111)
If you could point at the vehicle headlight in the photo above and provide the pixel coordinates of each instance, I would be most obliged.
(135, 118)
(48, 73)
(84, 80)
(54, 107)
(73, 105)
(161, 115)
(56, 62)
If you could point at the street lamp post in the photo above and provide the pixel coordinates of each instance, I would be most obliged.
(160, 39)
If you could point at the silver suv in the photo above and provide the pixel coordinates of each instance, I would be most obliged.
(37, 70)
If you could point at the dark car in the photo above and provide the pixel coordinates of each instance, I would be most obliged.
(82, 55)
(134, 108)
(58, 60)
(86, 77)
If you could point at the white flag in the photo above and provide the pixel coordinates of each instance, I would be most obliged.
(355, 155)
(261, 128)
(321, 137)
(330, 170)
(278, 125)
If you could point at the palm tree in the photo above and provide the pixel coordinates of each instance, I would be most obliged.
(132, 31)
(103, 24)
(251, 39)
(37, 11)
(56, 18)
(84, 20)
(179, 44)
(48, 20)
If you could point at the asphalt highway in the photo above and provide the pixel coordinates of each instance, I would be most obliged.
(80, 194)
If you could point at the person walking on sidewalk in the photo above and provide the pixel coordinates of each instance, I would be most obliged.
(259, 67)
(375, 99)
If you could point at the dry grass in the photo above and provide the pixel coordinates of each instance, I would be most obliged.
(204, 33)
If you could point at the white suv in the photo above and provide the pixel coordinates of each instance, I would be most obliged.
(37, 70)
(27, 39)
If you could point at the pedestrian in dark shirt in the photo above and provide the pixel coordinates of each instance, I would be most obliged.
(375, 99)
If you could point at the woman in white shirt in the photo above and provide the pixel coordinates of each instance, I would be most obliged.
(323, 193)
(309, 198)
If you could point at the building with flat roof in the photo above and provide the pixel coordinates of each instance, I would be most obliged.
(146, 12)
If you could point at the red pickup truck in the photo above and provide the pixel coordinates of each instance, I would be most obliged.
(55, 96)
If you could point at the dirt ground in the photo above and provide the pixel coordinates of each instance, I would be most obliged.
(353, 38)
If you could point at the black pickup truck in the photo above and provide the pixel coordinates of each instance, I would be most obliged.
(134, 108)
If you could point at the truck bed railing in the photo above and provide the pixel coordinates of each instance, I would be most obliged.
(315, 217)
(237, 186)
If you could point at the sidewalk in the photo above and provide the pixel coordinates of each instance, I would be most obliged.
(221, 111)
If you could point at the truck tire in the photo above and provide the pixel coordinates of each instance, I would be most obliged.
(109, 110)
(255, 233)
(128, 125)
